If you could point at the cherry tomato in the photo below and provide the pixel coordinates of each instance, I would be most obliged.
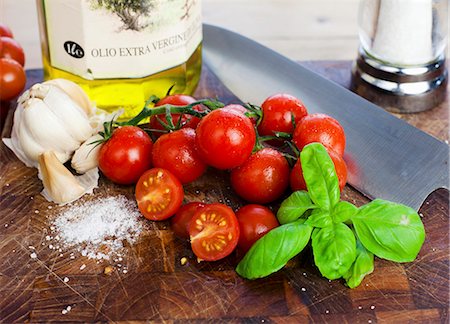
(159, 194)
(225, 138)
(5, 31)
(277, 114)
(262, 178)
(239, 108)
(298, 182)
(12, 79)
(180, 222)
(214, 232)
(177, 152)
(126, 155)
(187, 121)
(11, 49)
(254, 222)
(320, 128)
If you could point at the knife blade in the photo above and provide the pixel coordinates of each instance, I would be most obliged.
(387, 157)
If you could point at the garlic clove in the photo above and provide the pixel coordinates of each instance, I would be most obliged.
(46, 128)
(73, 118)
(60, 185)
(75, 92)
(86, 157)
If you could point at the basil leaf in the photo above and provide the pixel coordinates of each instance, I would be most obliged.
(390, 231)
(343, 211)
(272, 251)
(320, 176)
(334, 250)
(320, 218)
(363, 265)
(294, 206)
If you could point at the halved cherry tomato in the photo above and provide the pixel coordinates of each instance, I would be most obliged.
(11, 49)
(5, 31)
(278, 112)
(225, 138)
(298, 182)
(187, 121)
(12, 79)
(126, 155)
(262, 178)
(180, 222)
(254, 222)
(320, 128)
(177, 152)
(214, 232)
(159, 194)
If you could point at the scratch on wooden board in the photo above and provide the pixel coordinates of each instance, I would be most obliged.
(66, 284)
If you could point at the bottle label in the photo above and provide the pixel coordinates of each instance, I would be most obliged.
(109, 39)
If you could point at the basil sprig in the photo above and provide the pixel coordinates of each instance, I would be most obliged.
(344, 238)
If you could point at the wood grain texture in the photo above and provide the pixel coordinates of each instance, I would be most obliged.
(157, 287)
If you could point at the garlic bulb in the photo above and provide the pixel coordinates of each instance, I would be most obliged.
(53, 120)
(47, 119)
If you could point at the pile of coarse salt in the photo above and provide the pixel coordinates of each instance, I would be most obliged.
(98, 229)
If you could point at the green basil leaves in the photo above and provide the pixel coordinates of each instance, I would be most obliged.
(344, 238)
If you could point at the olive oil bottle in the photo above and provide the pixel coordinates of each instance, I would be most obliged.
(122, 51)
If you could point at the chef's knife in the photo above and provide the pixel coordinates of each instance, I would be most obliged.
(387, 157)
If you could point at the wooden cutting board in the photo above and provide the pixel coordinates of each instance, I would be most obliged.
(157, 287)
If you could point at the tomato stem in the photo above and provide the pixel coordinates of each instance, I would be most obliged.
(168, 109)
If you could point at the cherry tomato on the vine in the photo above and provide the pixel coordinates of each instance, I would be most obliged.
(214, 232)
(5, 31)
(180, 222)
(278, 111)
(12, 79)
(298, 182)
(239, 108)
(10, 48)
(126, 155)
(159, 194)
(320, 128)
(225, 138)
(262, 178)
(187, 120)
(177, 152)
(254, 222)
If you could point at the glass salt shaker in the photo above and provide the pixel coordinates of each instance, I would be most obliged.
(401, 60)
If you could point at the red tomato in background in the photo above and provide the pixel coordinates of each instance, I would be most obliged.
(240, 109)
(12, 79)
(225, 138)
(214, 232)
(126, 155)
(298, 182)
(320, 128)
(159, 194)
(180, 222)
(10, 48)
(177, 152)
(277, 114)
(254, 222)
(5, 31)
(262, 178)
(188, 121)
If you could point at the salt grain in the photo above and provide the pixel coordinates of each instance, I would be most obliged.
(372, 307)
(82, 267)
(99, 228)
(66, 279)
(303, 289)
(33, 255)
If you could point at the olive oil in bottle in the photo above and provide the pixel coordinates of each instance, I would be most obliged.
(122, 51)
